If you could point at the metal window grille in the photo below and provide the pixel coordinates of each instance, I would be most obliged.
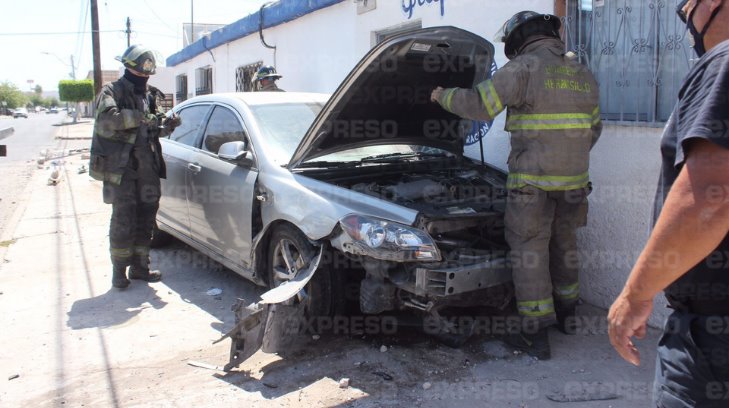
(204, 80)
(637, 50)
(244, 76)
(181, 88)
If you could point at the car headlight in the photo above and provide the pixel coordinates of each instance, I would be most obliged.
(389, 240)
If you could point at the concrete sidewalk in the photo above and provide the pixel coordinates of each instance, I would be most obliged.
(70, 340)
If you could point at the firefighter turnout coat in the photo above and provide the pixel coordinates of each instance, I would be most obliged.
(552, 114)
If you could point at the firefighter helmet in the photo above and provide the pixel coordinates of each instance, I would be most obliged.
(524, 24)
(266, 72)
(139, 59)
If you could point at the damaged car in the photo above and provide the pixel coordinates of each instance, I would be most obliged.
(280, 187)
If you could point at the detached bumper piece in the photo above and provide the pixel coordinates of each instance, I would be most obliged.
(456, 277)
(271, 328)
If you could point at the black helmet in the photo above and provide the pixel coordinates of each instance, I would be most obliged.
(266, 72)
(516, 31)
(139, 59)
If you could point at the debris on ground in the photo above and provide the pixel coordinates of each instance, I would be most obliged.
(14, 376)
(427, 385)
(383, 349)
(344, 383)
(595, 391)
(204, 365)
(385, 376)
(214, 291)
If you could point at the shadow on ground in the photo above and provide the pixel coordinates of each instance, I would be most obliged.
(114, 307)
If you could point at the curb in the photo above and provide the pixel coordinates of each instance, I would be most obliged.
(6, 132)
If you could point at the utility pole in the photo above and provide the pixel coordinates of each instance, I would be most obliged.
(192, 22)
(129, 31)
(96, 46)
(73, 69)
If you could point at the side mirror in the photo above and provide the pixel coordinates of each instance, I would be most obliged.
(236, 152)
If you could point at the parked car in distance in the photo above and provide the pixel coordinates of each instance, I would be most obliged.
(52, 110)
(305, 193)
(20, 113)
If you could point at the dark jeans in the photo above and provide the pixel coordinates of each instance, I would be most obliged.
(692, 365)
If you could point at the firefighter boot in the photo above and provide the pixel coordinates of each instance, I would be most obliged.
(566, 320)
(534, 344)
(140, 270)
(119, 277)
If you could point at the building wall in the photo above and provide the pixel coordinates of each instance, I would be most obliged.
(316, 51)
(624, 168)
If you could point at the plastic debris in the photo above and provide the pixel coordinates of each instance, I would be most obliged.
(383, 349)
(344, 383)
(427, 385)
(214, 291)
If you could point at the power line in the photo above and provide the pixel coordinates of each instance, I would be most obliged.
(62, 33)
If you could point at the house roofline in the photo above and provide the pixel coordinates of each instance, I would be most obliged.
(275, 14)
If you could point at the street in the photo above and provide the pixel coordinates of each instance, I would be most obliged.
(71, 340)
(31, 136)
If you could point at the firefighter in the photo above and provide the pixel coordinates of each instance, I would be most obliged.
(126, 155)
(265, 80)
(554, 121)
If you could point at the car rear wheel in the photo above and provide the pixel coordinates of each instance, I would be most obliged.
(289, 253)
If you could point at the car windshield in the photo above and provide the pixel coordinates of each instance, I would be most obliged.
(284, 125)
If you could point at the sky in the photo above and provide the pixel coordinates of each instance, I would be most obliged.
(39, 38)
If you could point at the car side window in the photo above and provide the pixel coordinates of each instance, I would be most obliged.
(192, 119)
(223, 127)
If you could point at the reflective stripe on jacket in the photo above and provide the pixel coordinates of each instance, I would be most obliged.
(553, 115)
(119, 112)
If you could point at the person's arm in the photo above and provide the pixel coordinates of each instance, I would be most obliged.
(693, 222)
(110, 118)
(488, 98)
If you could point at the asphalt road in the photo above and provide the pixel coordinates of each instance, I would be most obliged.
(31, 136)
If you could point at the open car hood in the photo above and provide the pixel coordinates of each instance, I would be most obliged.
(386, 97)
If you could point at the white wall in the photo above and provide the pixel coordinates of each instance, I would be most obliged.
(624, 168)
(163, 79)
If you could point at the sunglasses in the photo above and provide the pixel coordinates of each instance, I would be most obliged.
(680, 10)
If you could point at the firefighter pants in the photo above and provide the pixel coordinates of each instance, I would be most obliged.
(540, 231)
(134, 208)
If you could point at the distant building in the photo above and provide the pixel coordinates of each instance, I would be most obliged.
(163, 79)
(107, 75)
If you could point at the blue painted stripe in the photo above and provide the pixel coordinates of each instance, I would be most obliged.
(280, 12)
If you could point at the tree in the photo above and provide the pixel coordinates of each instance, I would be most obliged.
(36, 100)
(76, 91)
(11, 95)
(38, 90)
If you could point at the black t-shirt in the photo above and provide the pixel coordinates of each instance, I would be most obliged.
(702, 112)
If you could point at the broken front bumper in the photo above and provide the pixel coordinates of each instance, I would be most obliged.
(449, 278)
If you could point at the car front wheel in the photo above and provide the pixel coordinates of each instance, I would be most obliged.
(290, 253)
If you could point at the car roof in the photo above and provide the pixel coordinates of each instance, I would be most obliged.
(262, 98)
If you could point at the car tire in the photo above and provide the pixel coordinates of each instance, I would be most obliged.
(160, 238)
(287, 241)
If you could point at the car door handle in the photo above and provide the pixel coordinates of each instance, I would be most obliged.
(194, 168)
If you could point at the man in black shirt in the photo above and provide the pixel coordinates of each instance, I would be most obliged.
(687, 253)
